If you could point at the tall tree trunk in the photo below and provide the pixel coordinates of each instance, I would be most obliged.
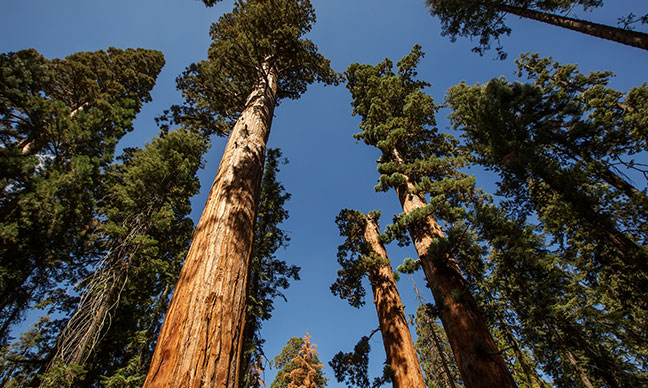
(399, 347)
(479, 361)
(201, 340)
(619, 35)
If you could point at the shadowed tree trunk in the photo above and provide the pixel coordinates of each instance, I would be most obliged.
(479, 360)
(201, 340)
(399, 347)
(619, 35)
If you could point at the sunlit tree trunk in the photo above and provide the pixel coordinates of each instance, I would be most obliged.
(619, 35)
(399, 347)
(201, 340)
(479, 360)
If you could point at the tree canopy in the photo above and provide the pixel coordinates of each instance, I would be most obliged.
(60, 121)
(256, 36)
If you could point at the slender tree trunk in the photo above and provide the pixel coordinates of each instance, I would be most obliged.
(399, 347)
(479, 361)
(529, 371)
(619, 35)
(572, 359)
(449, 376)
(201, 340)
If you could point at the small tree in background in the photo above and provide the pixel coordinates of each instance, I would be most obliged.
(300, 365)
(433, 348)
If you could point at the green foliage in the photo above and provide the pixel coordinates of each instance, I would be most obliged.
(433, 349)
(556, 145)
(142, 232)
(355, 256)
(153, 184)
(398, 119)
(210, 3)
(553, 311)
(288, 361)
(409, 266)
(486, 19)
(256, 37)
(60, 375)
(59, 123)
(573, 284)
(353, 368)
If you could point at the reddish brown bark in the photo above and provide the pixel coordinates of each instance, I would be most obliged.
(201, 340)
(615, 34)
(399, 347)
(479, 360)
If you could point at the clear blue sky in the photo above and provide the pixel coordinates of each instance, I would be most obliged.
(328, 170)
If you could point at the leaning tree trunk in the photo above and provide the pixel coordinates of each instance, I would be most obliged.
(201, 339)
(399, 347)
(619, 35)
(479, 360)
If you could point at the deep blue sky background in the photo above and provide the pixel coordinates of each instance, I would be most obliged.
(328, 170)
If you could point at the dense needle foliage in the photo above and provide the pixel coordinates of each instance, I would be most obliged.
(60, 121)
(575, 283)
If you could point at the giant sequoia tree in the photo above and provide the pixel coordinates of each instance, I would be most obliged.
(398, 119)
(59, 123)
(257, 58)
(486, 20)
(363, 254)
(560, 145)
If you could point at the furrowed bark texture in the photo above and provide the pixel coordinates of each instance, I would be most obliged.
(479, 360)
(619, 35)
(399, 347)
(201, 339)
